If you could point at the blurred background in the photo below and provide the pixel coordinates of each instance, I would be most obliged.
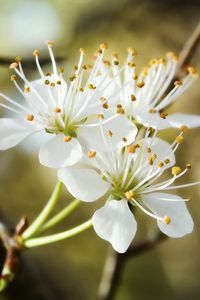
(72, 269)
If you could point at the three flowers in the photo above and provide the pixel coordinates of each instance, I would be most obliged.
(104, 123)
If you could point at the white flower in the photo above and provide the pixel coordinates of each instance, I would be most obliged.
(144, 96)
(129, 178)
(69, 112)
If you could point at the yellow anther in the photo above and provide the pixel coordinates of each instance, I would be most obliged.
(48, 74)
(131, 149)
(50, 44)
(82, 51)
(135, 77)
(162, 60)
(67, 138)
(120, 110)
(163, 115)
(27, 89)
(184, 128)
(47, 82)
(178, 83)
(91, 154)
(100, 116)
(102, 99)
(107, 63)
(154, 156)
(160, 164)
(72, 78)
(176, 170)
(179, 139)
(87, 67)
(152, 111)
(129, 195)
(133, 97)
(58, 82)
(110, 133)
(57, 110)
(131, 64)
(14, 65)
(167, 161)
(140, 84)
(132, 51)
(150, 160)
(192, 71)
(103, 46)
(148, 150)
(116, 62)
(29, 118)
(124, 139)
(188, 166)
(145, 71)
(13, 77)
(81, 90)
(52, 84)
(166, 220)
(91, 86)
(105, 105)
(61, 70)
(36, 52)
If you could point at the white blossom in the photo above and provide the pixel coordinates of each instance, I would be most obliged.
(69, 112)
(130, 179)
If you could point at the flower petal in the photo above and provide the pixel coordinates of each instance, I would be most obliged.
(116, 133)
(178, 120)
(115, 223)
(181, 221)
(83, 184)
(58, 154)
(12, 132)
(151, 119)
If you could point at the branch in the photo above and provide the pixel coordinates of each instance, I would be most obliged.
(28, 62)
(115, 263)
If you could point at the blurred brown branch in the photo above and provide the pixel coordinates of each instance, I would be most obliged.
(115, 262)
(28, 62)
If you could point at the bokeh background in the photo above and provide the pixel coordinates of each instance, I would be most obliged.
(72, 269)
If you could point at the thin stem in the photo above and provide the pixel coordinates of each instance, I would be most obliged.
(44, 213)
(58, 237)
(61, 215)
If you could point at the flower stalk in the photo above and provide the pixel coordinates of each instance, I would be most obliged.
(44, 214)
(57, 237)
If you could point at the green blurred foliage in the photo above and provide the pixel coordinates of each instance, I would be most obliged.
(72, 269)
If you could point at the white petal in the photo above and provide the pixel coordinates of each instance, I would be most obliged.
(181, 221)
(83, 184)
(120, 127)
(12, 132)
(115, 223)
(58, 154)
(177, 120)
(151, 119)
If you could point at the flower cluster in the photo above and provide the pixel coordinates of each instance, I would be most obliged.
(103, 125)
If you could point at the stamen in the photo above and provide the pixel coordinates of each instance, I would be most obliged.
(176, 170)
(14, 65)
(110, 133)
(166, 220)
(91, 154)
(179, 139)
(140, 84)
(67, 138)
(57, 110)
(29, 118)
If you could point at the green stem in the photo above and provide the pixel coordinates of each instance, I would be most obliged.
(59, 236)
(45, 212)
(61, 215)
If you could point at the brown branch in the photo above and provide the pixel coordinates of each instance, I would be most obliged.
(115, 262)
(28, 62)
